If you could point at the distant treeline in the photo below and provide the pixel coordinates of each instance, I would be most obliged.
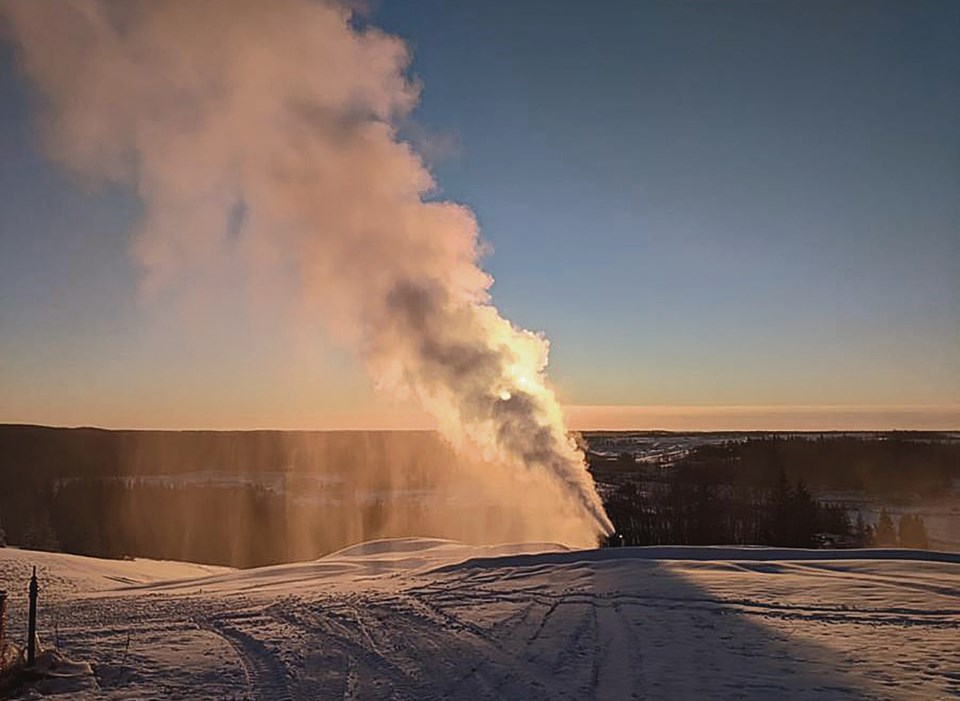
(895, 465)
(762, 491)
(169, 494)
(150, 494)
(676, 512)
(242, 526)
(47, 453)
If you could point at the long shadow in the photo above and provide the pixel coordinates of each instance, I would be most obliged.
(617, 625)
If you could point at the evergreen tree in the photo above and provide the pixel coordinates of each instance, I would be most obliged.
(780, 513)
(805, 517)
(913, 532)
(862, 532)
(884, 534)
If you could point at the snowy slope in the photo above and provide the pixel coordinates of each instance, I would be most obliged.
(433, 619)
(65, 573)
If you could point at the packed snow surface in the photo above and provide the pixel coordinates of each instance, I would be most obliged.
(434, 619)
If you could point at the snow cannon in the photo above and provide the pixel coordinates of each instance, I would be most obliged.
(614, 540)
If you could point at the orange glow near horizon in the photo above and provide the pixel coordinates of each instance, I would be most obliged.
(579, 418)
(765, 418)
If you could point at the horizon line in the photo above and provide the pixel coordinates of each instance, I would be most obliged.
(590, 417)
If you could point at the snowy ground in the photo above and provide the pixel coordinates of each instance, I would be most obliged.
(431, 619)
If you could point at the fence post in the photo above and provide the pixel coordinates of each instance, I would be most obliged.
(3, 625)
(32, 622)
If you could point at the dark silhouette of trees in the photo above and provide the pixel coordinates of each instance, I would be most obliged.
(892, 464)
(763, 490)
(885, 535)
(863, 534)
(795, 518)
(700, 513)
(148, 494)
(913, 532)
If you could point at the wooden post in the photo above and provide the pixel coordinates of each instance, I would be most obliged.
(32, 621)
(3, 623)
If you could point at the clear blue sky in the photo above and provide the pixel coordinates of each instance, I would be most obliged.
(700, 203)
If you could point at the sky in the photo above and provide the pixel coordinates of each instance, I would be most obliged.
(722, 215)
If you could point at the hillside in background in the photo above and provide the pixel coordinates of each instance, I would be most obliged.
(795, 489)
(253, 498)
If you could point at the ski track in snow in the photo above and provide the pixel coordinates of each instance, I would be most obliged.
(376, 625)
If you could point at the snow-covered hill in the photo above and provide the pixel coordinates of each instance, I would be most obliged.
(433, 619)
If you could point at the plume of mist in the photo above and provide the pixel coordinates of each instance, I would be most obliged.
(267, 131)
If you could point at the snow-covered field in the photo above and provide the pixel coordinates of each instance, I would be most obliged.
(432, 619)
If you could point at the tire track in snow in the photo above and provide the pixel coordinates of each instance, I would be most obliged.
(340, 625)
(551, 609)
(566, 647)
(824, 570)
(265, 674)
(600, 651)
(492, 672)
(489, 653)
(634, 644)
(351, 680)
(515, 620)
(937, 618)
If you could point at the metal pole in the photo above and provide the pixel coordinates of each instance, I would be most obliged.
(32, 622)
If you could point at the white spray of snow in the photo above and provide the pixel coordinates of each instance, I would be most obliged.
(266, 131)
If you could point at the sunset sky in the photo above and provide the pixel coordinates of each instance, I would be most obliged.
(722, 215)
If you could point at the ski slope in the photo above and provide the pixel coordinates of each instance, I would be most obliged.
(434, 619)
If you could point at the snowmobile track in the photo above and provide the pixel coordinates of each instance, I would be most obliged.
(265, 674)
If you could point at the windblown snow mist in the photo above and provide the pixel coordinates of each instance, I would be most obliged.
(286, 110)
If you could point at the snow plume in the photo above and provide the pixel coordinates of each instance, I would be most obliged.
(266, 130)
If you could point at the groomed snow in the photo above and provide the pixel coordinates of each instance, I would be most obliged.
(433, 619)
